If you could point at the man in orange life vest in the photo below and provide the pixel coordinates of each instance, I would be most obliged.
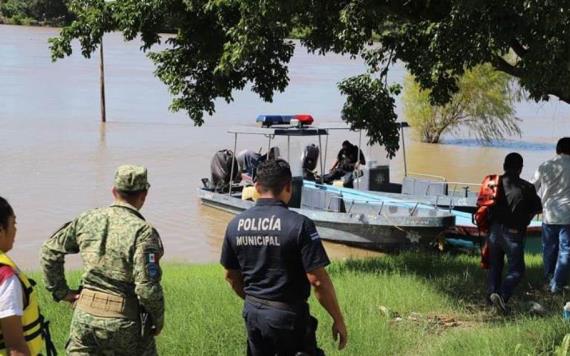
(516, 205)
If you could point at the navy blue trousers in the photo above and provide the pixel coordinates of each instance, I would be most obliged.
(273, 331)
(503, 242)
(556, 255)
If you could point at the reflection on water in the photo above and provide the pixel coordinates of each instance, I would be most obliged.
(57, 160)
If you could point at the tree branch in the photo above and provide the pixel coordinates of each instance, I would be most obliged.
(518, 48)
(501, 64)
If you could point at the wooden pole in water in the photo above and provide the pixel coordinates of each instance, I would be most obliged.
(102, 83)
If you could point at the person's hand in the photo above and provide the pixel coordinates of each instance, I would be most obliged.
(339, 333)
(156, 331)
(71, 297)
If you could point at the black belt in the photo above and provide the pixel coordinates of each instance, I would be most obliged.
(275, 304)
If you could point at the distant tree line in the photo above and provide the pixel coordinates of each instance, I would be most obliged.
(35, 12)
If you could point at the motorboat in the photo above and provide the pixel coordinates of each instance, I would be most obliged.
(342, 215)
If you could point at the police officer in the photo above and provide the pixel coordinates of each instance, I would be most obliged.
(272, 256)
(120, 307)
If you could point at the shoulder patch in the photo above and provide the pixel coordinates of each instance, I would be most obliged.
(152, 265)
(315, 236)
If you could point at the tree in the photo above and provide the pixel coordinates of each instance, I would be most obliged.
(223, 45)
(483, 104)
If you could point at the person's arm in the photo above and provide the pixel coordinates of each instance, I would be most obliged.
(536, 179)
(13, 334)
(11, 311)
(536, 203)
(148, 274)
(52, 261)
(229, 260)
(235, 279)
(326, 295)
(315, 259)
(334, 165)
(362, 160)
(338, 160)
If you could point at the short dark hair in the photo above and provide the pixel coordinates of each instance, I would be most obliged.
(273, 175)
(563, 146)
(347, 143)
(513, 162)
(5, 212)
(129, 195)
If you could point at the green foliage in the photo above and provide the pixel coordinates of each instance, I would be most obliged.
(12, 8)
(483, 104)
(25, 12)
(224, 45)
(370, 107)
(203, 316)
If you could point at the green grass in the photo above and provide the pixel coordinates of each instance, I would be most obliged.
(419, 292)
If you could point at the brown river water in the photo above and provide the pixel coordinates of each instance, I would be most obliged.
(57, 160)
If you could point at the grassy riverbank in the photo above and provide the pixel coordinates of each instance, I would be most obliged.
(413, 303)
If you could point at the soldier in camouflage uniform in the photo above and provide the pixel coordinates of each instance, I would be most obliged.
(120, 307)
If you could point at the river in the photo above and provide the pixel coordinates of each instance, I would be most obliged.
(58, 160)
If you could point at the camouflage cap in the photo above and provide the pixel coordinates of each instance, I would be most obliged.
(130, 178)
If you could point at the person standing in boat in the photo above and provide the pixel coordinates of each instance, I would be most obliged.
(552, 179)
(272, 257)
(349, 159)
(517, 203)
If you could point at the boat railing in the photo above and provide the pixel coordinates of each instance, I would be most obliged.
(412, 206)
(455, 186)
(465, 186)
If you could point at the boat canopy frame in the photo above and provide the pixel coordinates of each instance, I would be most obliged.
(287, 131)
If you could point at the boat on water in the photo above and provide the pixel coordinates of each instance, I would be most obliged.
(342, 215)
(375, 213)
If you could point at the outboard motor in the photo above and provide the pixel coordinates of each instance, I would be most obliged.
(221, 169)
(310, 157)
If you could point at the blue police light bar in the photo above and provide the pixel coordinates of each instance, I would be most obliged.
(270, 120)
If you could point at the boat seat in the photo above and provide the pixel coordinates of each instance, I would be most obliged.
(423, 187)
(317, 199)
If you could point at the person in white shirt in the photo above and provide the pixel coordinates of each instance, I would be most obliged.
(11, 292)
(552, 180)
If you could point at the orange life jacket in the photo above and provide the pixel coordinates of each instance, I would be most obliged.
(487, 198)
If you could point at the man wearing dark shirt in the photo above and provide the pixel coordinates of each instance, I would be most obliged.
(516, 205)
(272, 257)
(348, 159)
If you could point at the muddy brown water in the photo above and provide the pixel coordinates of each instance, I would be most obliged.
(57, 160)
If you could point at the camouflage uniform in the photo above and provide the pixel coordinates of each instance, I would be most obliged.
(120, 253)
